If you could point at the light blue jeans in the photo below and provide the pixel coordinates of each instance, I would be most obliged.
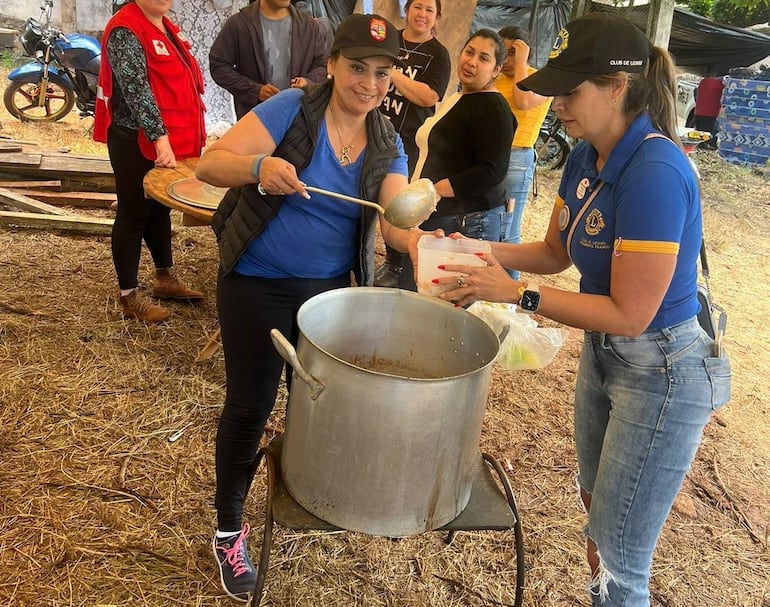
(518, 180)
(485, 225)
(640, 408)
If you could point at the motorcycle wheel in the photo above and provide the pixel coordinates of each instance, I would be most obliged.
(552, 151)
(22, 99)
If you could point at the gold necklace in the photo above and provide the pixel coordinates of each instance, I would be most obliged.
(409, 51)
(345, 149)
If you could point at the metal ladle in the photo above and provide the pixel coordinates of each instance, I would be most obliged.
(409, 208)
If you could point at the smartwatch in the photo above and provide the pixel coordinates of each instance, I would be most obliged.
(529, 301)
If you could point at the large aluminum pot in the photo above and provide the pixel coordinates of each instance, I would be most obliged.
(385, 410)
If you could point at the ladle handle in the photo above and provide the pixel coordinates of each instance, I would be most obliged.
(366, 203)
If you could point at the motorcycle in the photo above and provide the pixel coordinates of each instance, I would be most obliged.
(553, 144)
(64, 72)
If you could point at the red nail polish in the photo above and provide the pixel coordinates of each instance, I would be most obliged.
(479, 254)
(435, 281)
(442, 267)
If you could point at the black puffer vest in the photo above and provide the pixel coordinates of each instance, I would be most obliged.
(244, 212)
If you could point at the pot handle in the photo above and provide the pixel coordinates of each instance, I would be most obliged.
(289, 354)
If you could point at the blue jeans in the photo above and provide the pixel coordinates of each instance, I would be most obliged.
(485, 225)
(518, 180)
(640, 408)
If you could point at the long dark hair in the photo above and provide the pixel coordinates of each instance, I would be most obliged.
(500, 51)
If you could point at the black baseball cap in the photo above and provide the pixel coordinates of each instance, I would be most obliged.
(360, 36)
(596, 43)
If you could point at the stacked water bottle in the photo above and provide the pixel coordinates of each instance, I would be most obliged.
(744, 123)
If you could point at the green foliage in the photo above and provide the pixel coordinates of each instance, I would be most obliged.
(7, 61)
(701, 7)
(739, 13)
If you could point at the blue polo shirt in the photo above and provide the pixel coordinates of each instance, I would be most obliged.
(316, 238)
(649, 203)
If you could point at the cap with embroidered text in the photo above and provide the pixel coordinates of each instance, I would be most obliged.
(596, 43)
(360, 36)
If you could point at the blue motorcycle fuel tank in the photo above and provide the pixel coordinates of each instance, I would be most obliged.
(80, 52)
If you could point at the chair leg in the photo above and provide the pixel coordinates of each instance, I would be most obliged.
(267, 537)
(517, 530)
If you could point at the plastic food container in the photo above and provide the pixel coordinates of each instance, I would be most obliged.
(433, 252)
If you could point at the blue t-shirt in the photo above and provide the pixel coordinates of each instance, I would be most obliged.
(649, 202)
(316, 238)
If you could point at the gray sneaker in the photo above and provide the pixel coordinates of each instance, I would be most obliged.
(235, 567)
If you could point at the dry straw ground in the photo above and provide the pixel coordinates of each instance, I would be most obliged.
(99, 505)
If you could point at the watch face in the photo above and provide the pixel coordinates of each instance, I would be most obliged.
(530, 300)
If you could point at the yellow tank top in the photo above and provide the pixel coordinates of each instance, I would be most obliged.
(529, 120)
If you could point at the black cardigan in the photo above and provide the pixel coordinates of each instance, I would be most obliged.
(471, 146)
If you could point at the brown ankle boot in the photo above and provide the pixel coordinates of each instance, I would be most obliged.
(167, 286)
(136, 306)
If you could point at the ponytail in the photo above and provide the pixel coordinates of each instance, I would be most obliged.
(659, 80)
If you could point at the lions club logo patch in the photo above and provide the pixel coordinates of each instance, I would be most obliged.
(594, 222)
(560, 44)
(377, 29)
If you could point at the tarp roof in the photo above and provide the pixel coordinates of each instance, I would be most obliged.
(700, 45)
(550, 17)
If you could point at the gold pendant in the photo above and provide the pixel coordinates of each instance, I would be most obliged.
(345, 155)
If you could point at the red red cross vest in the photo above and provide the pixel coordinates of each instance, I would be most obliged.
(174, 78)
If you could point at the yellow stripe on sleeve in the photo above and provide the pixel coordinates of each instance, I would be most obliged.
(646, 246)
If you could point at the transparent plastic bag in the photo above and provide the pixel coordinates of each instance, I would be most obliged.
(523, 344)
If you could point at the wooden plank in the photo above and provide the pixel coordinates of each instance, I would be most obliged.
(25, 203)
(73, 181)
(54, 183)
(69, 223)
(6, 148)
(65, 163)
(75, 172)
(20, 159)
(56, 163)
(85, 200)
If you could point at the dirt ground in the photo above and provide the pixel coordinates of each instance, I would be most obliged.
(107, 432)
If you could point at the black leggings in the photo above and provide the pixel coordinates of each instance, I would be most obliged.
(138, 217)
(248, 308)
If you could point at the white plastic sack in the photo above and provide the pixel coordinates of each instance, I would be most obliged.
(524, 345)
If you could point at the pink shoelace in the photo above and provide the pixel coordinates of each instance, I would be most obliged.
(234, 555)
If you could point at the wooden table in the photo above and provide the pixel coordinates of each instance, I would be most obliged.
(156, 184)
